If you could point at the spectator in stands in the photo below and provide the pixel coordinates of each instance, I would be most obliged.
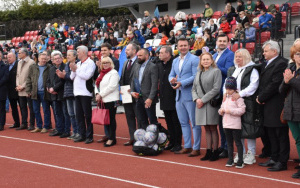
(124, 42)
(68, 91)
(129, 29)
(184, 103)
(190, 21)
(103, 24)
(106, 38)
(242, 18)
(212, 26)
(271, 76)
(198, 45)
(276, 24)
(169, 24)
(239, 34)
(225, 26)
(171, 39)
(249, 33)
(247, 78)
(98, 43)
(113, 40)
(147, 18)
(163, 27)
(179, 35)
(201, 29)
(163, 39)
(41, 46)
(144, 30)
(199, 19)
(224, 60)
(264, 20)
(22, 74)
(230, 7)
(206, 86)
(139, 38)
(107, 91)
(249, 7)
(82, 75)
(210, 41)
(229, 14)
(33, 44)
(259, 6)
(190, 36)
(208, 11)
(4, 77)
(41, 30)
(195, 27)
(37, 90)
(240, 6)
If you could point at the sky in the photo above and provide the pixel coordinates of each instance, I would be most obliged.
(47, 1)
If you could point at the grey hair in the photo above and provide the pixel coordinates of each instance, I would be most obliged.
(83, 48)
(273, 45)
(24, 50)
(168, 49)
(74, 52)
(135, 46)
(42, 54)
(297, 40)
(10, 53)
(55, 52)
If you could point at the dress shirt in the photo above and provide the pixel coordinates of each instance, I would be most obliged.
(141, 71)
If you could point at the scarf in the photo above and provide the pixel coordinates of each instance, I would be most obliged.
(102, 74)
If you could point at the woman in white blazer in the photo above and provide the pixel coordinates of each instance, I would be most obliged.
(107, 90)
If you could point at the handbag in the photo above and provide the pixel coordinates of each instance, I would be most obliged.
(100, 115)
(214, 102)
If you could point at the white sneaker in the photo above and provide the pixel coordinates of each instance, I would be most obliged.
(236, 158)
(250, 158)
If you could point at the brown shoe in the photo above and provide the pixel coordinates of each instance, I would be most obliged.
(194, 153)
(184, 151)
(44, 130)
(103, 139)
(129, 143)
(36, 130)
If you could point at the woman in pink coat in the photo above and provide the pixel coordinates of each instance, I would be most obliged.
(232, 110)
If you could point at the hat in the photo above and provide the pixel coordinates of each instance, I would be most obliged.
(230, 83)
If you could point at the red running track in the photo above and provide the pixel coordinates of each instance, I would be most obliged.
(37, 160)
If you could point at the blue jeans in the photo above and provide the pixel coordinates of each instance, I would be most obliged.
(37, 111)
(63, 123)
(72, 113)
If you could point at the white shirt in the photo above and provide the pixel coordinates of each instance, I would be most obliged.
(83, 73)
(254, 80)
(219, 55)
(271, 60)
(181, 60)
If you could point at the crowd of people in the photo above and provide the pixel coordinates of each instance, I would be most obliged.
(223, 91)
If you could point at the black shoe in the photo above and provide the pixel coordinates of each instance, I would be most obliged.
(215, 156)
(14, 126)
(296, 160)
(169, 147)
(176, 148)
(89, 140)
(109, 145)
(207, 155)
(269, 163)
(224, 154)
(55, 133)
(22, 127)
(1, 128)
(297, 167)
(220, 150)
(79, 139)
(296, 175)
(278, 167)
(129, 143)
(30, 128)
(264, 155)
(103, 139)
(64, 135)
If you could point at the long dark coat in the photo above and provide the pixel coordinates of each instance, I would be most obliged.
(12, 92)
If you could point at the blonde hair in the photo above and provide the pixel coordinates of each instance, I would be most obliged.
(107, 59)
(211, 57)
(245, 54)
(147, 12)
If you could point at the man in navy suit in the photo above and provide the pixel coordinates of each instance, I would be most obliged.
(4, 75)
(224, 60)
(181, 77)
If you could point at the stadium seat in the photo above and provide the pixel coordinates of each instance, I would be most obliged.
(98, 54)
(277, 6)
(90, 53)
(250, 47)
(16, 44)
(195, 16)
(35, 33)
(30, 38)
(295, 11)
(283, 14)
(233, 27)
(256, 25)
(283, 25)
(31, 33)
(13, 40)
(230, 36)
(117, 53)
(198, 15)
(27, 33)
(18, 39)
(156, 42)
(21, 39)
(234, 47)
(150, 41)
(26, 38)
(71, 47)
(265, 36)
(217, 15)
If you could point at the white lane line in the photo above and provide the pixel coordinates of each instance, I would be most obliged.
(157, 160)
(78, 171)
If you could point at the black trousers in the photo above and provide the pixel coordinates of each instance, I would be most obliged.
(266, 142)
(84, 116)
(2, 113)
(174, 127)
(130, 112)
(145, 115)
(234, 135)
(112, 127)
(24, 110)
(280, 143)
(15, 110)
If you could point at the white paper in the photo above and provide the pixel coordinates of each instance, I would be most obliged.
(126, 96)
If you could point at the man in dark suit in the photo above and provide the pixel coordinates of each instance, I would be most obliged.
(167, 97)
(224, 60)
(12, 92)
(4, 76)
(271, 77)
(144, 89)
(126, 78)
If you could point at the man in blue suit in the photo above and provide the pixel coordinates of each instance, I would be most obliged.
(224, 60)
(181, 77)
(4, 75)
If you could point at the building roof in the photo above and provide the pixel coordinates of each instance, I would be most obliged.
(119, 3)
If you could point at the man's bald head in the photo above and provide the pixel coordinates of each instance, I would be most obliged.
(11, 57)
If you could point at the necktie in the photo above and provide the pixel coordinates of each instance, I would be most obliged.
(129, 64)
(267, 62)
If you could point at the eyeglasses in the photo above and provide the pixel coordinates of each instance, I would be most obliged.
(105, 63)
(297, 54)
